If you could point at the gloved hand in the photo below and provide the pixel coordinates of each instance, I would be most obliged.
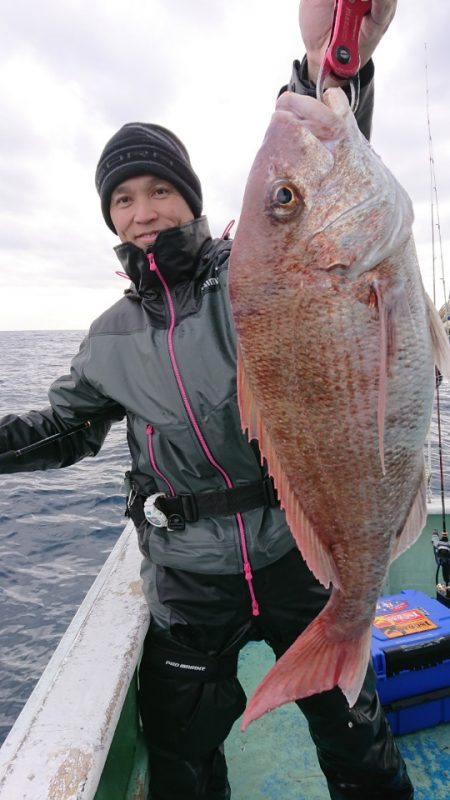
(316, 19)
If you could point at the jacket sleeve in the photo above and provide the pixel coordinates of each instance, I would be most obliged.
(73, 426)
(299, 83)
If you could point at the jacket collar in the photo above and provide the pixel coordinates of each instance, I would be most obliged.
(176, 252)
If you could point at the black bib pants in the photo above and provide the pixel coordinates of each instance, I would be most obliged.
(190, 695)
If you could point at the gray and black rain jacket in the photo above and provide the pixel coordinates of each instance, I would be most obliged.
(165, 355)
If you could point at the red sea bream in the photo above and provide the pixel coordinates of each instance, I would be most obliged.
(337, 343)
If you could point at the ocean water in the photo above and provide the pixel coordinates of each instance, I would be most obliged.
(58, 527)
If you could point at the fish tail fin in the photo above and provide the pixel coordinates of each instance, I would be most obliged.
(312, 664)
(440, 341)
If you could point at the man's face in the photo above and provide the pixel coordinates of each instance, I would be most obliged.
(142, 207)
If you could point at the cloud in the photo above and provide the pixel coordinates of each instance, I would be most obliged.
(74, 71)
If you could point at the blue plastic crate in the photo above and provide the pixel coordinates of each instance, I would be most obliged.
(411, 657)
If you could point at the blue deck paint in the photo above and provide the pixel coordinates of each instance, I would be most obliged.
(275, 758)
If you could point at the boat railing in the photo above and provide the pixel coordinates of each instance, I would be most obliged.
(58, 745)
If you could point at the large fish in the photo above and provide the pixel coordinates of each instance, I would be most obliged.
(337, 345)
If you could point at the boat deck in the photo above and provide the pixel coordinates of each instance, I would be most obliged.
(275, 758)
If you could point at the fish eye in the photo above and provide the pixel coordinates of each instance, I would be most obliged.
(284, 200)
(284, 196)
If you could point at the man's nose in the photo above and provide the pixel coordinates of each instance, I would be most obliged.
(145, 210)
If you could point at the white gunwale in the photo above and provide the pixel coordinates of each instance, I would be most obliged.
(58, 745)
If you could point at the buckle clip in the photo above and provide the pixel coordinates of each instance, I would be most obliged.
(187, 511)
(153, 514)
(270, 492)
(173, 520)
(176, 522)
(190, 507)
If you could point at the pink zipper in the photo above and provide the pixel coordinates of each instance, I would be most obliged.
(151, 453)
(245, 560)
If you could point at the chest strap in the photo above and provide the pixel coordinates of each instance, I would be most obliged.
(191, 507)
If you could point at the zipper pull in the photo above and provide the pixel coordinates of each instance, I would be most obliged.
(151, 262)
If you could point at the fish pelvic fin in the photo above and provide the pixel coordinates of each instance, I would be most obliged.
(439, 339)
(415, 520)
(312, 664)
(320, 560)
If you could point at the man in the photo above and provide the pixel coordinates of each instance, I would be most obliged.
(220, 565)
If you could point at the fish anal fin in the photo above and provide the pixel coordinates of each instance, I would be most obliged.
(439, 339)
(415, 521)
(319, 559)
(312, 664)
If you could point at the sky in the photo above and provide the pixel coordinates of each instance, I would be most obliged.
(74, 71)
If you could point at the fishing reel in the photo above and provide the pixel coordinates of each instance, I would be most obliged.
(441, 547)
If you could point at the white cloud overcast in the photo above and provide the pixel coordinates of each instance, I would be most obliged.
(74, 71)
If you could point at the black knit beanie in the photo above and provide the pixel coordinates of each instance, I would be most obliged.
(140, 148)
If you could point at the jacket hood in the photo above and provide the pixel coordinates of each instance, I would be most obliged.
(176, 251)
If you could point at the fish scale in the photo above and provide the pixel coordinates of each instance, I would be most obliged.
(336, 346)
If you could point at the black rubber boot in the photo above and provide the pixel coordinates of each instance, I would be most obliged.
(174, 778)
(355, 746)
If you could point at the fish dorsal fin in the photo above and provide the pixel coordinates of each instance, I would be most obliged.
(415, 521)
(317, 557)
(439, 338)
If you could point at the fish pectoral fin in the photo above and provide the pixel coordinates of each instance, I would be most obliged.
(415, 521)
(440, 341)
(392, 304)
(313, 664)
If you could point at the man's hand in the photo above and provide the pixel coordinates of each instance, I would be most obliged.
(316, 19)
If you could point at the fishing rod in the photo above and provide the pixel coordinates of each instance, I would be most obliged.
(435, 223)
(48, 440)
(441, 544)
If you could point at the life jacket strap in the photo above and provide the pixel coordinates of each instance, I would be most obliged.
(184, 508)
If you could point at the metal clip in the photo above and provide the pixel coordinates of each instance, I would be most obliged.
(130, 492)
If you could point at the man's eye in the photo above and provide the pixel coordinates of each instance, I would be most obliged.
(161, 191)
(122, 200)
